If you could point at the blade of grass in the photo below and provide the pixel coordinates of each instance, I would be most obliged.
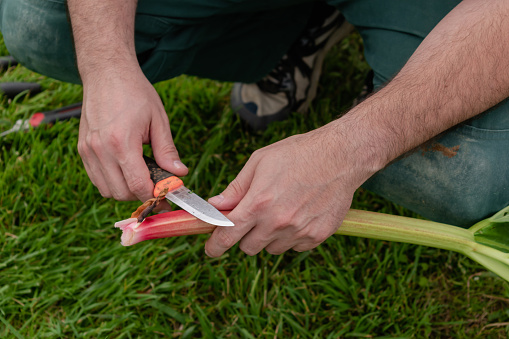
(10, 328)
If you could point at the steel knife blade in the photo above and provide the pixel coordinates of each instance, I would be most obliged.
(184, 197)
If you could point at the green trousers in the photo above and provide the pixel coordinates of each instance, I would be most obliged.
(460, 180)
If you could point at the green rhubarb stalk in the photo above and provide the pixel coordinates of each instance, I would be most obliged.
(486, 242)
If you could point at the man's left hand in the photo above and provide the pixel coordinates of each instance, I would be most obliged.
(292, 194)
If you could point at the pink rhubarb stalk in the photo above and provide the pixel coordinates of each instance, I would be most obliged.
(164, 225)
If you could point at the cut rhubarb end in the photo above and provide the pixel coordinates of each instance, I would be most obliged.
(164, 225)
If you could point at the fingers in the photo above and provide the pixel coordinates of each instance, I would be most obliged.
(223, 238)
(91, 164)
(112, 133)
(165, 152)
(264, 225)
(277, 239)
(309, 238)
(236, 190)
(303, 247)
(255, 241)
(136, 176)
(118, 172)
(95, 175)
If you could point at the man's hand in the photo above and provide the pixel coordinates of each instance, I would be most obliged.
(293, 194)
(121, 109)
(120, 113)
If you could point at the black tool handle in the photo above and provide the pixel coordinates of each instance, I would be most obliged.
(64, 113)
(65, 108)
(157, 174)
(11, 89)
(50, 118)
(7, 61)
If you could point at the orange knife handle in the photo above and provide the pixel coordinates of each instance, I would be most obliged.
(162, 179)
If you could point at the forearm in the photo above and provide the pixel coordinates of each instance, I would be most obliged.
(103, 32)
(460, 70)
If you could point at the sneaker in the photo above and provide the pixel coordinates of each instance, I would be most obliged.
(292, 85)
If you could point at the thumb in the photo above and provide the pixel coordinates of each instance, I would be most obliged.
(165, 152)
(235, 191)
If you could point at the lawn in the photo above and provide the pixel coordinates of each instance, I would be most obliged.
(64, 274)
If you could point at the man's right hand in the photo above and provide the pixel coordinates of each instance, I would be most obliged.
(121, 112)
(121, 109)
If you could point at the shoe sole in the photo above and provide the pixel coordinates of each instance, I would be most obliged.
(341, 33)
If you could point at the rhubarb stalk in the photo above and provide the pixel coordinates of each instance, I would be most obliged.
(487, 242)
(164, 225)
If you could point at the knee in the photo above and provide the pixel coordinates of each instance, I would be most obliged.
(37, 33)
(459, 195)
(475, 188)
(466, 210)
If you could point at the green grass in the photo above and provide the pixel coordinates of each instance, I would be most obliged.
(64, 274)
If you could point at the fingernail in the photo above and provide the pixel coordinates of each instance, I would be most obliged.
(218, 199)
(179, 165)
(207, 253)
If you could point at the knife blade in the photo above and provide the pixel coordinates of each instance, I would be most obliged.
(182, 196)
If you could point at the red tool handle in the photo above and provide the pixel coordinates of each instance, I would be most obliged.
(64, 113)
(162, 179)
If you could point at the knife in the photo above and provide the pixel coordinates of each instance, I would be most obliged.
(182, 196)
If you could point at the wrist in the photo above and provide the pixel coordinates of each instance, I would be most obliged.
(363, 145)
(102, 73)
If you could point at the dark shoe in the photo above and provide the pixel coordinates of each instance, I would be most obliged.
(292, 85)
